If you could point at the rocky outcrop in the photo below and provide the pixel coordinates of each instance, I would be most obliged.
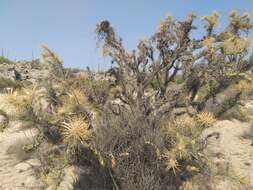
(24, 70)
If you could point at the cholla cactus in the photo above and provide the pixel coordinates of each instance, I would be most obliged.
(240, 22)
(54, 62)
(245, 86)
(213, 62)
(205, 119)
(235, 45)
(136, 70)
(186, 122)
(211, 22)
(76, 131)
(209, 42)
(171, 163)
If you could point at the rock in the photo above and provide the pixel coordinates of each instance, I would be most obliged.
(34, 162)
(25, 71)
(223, 101)
(22, 166)
(235, 112)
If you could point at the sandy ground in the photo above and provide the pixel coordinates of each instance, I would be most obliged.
(17, 167)
(231, 149)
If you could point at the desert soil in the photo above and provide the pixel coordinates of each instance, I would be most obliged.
(16, 166)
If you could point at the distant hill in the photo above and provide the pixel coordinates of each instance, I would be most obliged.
(5, 60)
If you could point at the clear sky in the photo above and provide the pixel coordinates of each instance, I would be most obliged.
(67, 26)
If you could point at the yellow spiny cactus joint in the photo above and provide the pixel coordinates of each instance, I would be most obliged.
(236, 45)
(75, 131)
(209, 41)
(205, 119)
(172, 164)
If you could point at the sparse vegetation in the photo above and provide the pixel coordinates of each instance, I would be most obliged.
(139, 125)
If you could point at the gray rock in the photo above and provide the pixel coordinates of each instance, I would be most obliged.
(23, 166)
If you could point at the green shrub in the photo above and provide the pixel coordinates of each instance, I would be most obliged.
(5, 60)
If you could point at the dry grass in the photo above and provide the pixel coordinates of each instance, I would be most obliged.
(21, 99)
(72, 101)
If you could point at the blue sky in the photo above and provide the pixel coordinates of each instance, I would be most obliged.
(67, 26)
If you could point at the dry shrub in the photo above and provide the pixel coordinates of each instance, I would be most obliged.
(9, 83)
(54, 62)
(72, 102)
(142, 156)
(129, 147)
(98, 91)
(34, 104)
(246, 87)
(52, 164)
(21, 100)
